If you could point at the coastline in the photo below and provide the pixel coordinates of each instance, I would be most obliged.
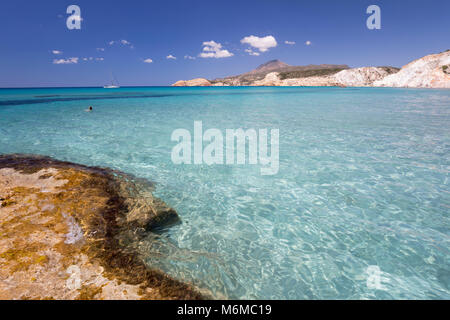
(431, 71)
(66, 230)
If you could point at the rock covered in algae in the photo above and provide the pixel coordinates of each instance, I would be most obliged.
(66, 230)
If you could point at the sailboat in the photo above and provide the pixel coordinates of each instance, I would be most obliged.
(113, 84)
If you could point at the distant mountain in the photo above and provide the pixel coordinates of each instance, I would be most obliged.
(269, 66)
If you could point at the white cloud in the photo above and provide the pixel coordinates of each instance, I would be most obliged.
(92, 59)
(148, 60)
(212, 49)
(100, 49)
(289, 42)
(251, 52)
(189, 57)
(171, 57)
(262, 44)
(308, 43)
(65, 61)
(122, 42)
(56, 52)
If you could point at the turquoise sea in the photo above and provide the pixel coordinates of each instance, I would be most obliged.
(358, 210)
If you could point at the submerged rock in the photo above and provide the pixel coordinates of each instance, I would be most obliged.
(66, 232)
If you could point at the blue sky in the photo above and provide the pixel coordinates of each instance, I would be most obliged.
(31, 30)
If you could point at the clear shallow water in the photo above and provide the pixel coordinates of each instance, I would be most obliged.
(363, 181)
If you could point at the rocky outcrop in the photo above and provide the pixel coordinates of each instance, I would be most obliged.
(357, 77)
(324, 81)
(69, 232)
(362, 77)
(271, 79)
(426, 72)
(197, 82)
(256, 77)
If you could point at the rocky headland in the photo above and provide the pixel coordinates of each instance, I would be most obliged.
(198, 82)
(67, 232)
(431, 71)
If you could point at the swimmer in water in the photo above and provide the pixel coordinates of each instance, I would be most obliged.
(89, 109)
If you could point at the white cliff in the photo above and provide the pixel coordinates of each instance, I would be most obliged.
(316, 81)
(271, 79)
(358, 77)
(428, 72)
(362, 77)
